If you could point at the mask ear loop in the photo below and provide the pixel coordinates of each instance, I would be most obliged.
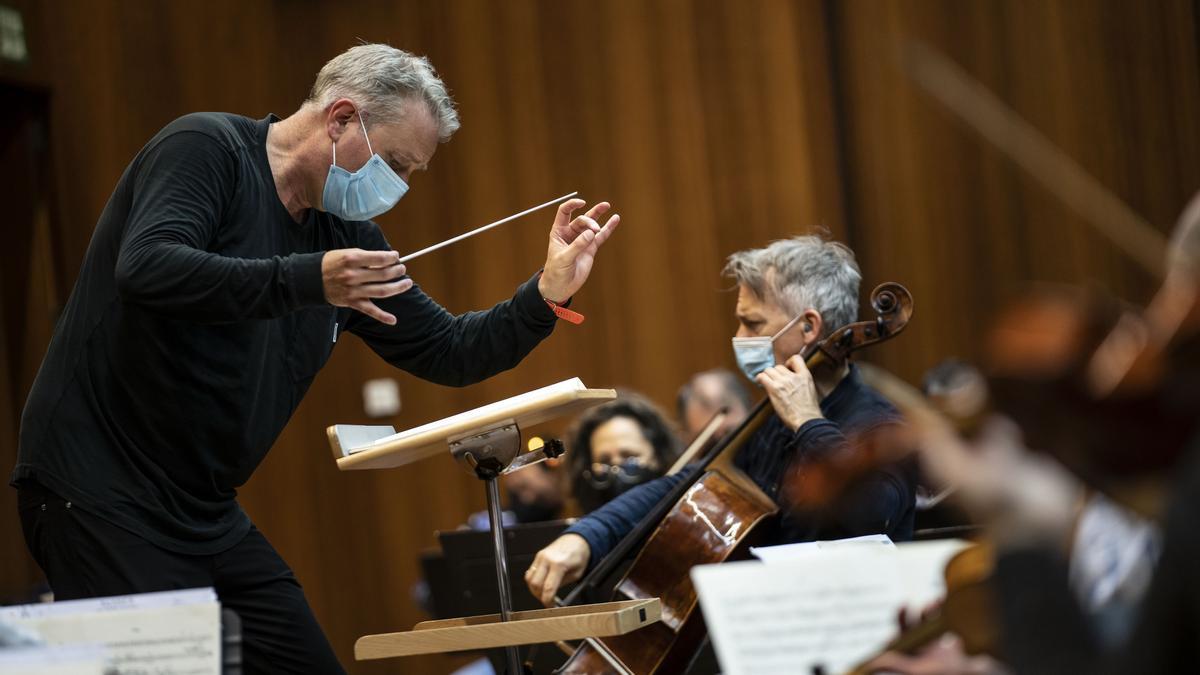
(788, 326)
(364, 136)
(363, 124)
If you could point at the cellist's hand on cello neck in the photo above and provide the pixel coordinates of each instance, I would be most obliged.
(793, 392)
(562, 562)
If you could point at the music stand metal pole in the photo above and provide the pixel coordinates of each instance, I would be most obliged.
(496, 517)
(489, 454)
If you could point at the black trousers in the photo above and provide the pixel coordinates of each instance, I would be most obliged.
(84, 556)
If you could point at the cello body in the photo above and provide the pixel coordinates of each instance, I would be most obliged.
(715, 521)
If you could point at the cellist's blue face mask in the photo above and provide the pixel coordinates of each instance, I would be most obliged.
(363, 194)
(756, 354)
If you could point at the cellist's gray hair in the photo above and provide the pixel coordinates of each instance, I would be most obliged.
(802, 273)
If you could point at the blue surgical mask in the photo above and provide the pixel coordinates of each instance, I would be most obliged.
(756, 354)
(364, 194)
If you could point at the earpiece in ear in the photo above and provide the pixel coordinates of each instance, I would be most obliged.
(808, 328)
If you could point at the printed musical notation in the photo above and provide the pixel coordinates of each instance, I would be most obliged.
(816, 609)
(170, 633)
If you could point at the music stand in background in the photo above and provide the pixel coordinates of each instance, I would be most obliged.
(487, 441)
(459, 579)
(465, 586)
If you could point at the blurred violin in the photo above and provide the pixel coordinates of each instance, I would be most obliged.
(965, 611)
(1111, 391)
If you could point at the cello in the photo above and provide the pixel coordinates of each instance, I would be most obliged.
(711, 516)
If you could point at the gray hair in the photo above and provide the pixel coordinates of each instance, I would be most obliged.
(802, 273)
(380, 79)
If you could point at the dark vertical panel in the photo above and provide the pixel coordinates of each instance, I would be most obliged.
(29, 298)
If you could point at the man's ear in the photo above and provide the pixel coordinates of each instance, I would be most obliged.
(338, 116)
(813, 326)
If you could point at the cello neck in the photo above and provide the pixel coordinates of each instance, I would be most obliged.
(722, 461)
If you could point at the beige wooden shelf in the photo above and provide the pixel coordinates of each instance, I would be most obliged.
(523, 628)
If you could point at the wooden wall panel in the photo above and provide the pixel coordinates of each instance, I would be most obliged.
(29, 297)
(1114, 84)
(706, 123)
(713, 126)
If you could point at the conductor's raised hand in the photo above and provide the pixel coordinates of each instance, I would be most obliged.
(353, 277)
(573, 246)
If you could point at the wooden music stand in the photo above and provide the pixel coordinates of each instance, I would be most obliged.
(487, 441)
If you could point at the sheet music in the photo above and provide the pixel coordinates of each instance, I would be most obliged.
(361, 436)
(170, 633)
(58, 660)
(879, 542)
(190, 596)
(829, 608)
(573, 384)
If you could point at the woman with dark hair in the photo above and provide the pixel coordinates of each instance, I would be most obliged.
(619, 445)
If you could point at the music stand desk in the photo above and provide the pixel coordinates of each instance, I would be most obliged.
(488, 441)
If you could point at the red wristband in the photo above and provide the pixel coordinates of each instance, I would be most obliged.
(564, 313)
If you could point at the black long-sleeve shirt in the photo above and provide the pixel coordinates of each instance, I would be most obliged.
(882, 502)
(196, 326)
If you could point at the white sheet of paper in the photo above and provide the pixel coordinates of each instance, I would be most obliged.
(169, 633)
(771, 554)
(573, 384)
(189, 596)
(360, 436)
(57, 660)
(830, 607)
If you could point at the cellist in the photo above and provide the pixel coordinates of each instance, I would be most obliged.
(791, 294)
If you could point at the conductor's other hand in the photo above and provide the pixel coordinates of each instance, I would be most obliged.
(562, 562)
(573, 247)
(352, 277)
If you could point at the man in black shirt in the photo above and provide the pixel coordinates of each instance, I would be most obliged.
(230, 259)
(790, 295)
